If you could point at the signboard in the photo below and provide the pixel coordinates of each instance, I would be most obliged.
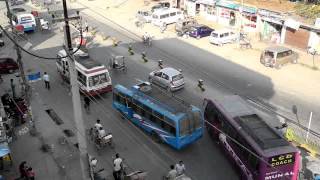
(282, 159)
(34, 77)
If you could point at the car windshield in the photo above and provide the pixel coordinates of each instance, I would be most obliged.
(98, 79)
(177, 77)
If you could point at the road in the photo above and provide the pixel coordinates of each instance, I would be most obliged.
(204, 159)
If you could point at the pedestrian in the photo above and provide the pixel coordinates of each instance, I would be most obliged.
(180, 168)
(13, 88)
(23, 170)
(46, 79)
(172, 174)
(117, 167)
(97, 125)
(30, 173)
(87, 104)
(86, 26)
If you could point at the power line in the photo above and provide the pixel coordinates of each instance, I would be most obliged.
(38, 56)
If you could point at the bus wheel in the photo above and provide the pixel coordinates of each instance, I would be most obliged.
(155, 136)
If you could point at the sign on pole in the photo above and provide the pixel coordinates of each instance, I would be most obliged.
(310, 118)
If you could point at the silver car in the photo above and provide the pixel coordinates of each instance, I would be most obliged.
(168, 78)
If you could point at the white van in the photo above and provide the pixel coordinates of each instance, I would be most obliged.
(222, 36)
(26, 20)
(165, 16)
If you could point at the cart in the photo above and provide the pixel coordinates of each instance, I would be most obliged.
(101, 142)
(118, 63)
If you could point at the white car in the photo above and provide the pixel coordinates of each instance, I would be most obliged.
(221, 37)
(144, 16)
(168, 78)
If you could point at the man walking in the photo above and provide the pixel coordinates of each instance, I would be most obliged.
(117, 167)
(180, 168)
(46, 79)
(86, 26)
(87, 104)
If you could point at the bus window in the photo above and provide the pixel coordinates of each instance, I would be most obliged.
(98, 79)
(197, 119)
(116, 97)
(184, 127)
(82, 78)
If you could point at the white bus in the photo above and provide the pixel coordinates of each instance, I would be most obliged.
(93, 77)
(165, 16)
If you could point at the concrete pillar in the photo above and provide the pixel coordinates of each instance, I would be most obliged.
(283, 34)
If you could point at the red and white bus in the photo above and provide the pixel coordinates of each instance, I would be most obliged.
(93, 77)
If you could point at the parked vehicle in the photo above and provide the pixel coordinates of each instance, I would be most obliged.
(144, 16)
(166, 118)
(165, 16)
(26, 20)
(160, 6)
(277, 56)
(200, 31)
(223, 36)
(93, 77)
(168, 78)
(8, 65)
(185, 25)
(268, 155)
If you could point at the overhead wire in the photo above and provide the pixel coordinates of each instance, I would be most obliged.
(38, 56)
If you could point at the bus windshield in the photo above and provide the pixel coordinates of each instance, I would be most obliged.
(98, 79)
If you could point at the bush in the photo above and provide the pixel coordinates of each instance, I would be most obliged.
(310, 11)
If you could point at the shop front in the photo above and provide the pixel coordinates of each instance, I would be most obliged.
(227, 13)
(207, 9)
(270, 25)
(249, 18)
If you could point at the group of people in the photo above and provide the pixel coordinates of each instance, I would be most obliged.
(176, 171)
(26, 173)
(100, 132)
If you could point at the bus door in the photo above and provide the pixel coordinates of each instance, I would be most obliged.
(213, 121)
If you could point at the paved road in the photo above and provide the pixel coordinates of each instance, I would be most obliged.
(204, 160)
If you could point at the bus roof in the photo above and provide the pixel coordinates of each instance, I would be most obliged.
(88, 63)
(172, 107)
(254, 127)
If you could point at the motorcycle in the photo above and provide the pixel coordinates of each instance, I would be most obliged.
(44, 25)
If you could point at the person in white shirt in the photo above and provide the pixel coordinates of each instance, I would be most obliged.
(180, 168)
(46, 79)
(117, 167)
(172, 174)
(97, 125)
(101, 133)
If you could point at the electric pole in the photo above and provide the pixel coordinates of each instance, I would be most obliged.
(82, 145)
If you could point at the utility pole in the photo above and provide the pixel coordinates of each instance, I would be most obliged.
(20, 63)
(82, 145)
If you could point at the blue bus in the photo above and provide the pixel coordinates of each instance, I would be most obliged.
(173, 122)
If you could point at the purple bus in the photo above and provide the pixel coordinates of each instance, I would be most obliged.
(278, 159)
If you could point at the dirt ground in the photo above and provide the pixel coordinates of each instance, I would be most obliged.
(276, 5)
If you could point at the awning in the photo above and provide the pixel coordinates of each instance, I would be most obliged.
(4, 149)
(207, 2)
(227, 4)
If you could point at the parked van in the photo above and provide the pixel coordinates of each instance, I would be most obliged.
(223, 36)
(165, 16)
(277, 56)
(26, 20)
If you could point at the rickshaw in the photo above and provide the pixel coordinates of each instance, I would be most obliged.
(118, 63)
(101, 142)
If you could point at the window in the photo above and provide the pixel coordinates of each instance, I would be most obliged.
(177, 77)
(179, 12)
(281, 54)
(184, 127)
(164, 76)
(98, 79)
(158, 74)
(164, 16)
(82, 78)
(154, 16)
(173, 14)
